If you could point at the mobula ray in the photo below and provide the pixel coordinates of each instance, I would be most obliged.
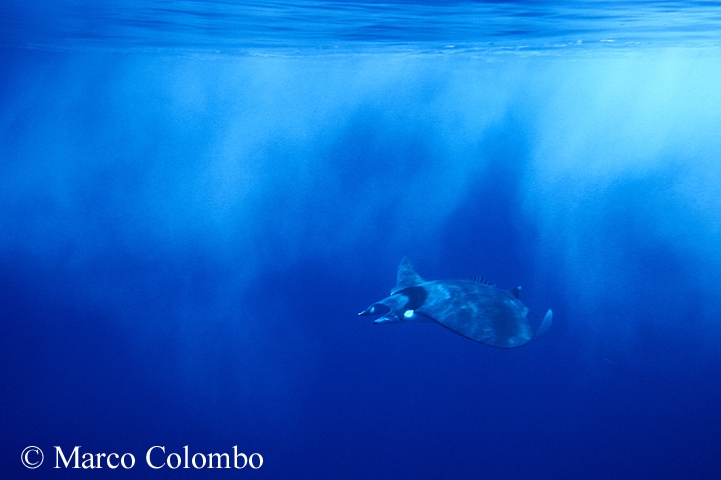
(471, 308)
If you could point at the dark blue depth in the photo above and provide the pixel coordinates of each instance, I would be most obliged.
(186, 238)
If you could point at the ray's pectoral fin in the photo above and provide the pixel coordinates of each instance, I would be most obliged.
(545, 325)
(406, 276)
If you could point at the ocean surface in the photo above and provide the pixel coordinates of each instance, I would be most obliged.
(197, 199)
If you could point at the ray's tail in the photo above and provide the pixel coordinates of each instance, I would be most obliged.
(545, 325)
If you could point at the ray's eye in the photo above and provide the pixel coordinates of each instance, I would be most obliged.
(408, 313)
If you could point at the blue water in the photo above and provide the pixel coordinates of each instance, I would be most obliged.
(197, 198)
